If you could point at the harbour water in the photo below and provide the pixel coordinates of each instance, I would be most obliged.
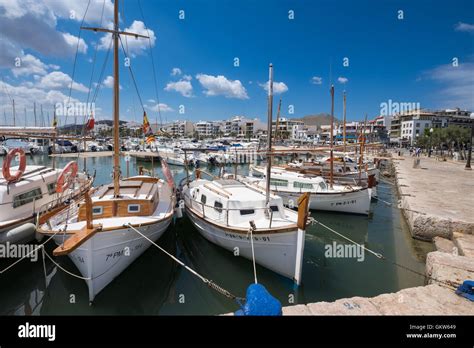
(154, 284)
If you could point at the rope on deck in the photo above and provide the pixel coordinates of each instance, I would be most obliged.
(206, 281)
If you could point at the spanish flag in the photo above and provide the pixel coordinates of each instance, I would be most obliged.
(146, 124)
(150, 139)
(55, 120)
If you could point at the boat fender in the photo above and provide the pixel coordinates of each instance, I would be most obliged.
(20, 234)
(7, 162)
(63, 183)
(179, 212)
(259, 302)
(466, 289)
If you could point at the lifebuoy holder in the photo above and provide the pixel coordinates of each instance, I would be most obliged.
(66, 177)
(7, 162)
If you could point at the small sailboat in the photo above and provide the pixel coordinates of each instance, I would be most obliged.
(247, 220)
(99, 233)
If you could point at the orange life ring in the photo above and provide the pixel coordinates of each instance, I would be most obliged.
(62, 184)
(6, 165)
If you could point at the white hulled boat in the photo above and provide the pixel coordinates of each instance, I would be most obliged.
(290, 185)
(222, 210)
(239, 217)
(99, 233)
(32, 192)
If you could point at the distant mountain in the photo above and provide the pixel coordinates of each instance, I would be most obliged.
(317, 120)
(69, 127)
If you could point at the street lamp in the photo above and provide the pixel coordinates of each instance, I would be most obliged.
(468, 163)
(431, 134)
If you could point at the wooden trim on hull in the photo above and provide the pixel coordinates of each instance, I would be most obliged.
(273, 230)
(108, 229)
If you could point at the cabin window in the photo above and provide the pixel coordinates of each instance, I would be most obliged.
(274, 208)
(247, 211)
(27, 197)
(52, 188)
(134, 208)
(279, 182)
(322, 186)
(203, 199)
(302, 185)
(97, 210)
(218, 206)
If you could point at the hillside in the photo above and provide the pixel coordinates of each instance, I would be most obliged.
(317, 120)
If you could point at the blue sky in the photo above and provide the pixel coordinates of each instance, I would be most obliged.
(405, 60)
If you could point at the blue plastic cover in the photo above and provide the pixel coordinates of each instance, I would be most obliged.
(260, 302)
(466, 290)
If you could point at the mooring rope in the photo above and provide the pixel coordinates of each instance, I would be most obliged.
(447, 284)
(253, 254)
(206, 281)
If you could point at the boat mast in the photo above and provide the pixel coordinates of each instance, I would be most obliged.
(331, 174)
(277, 121)
(34, 111)
(115, 34)
(116, 103)
(269, 132)
(344, 132)
(344, 125)
(14, 113)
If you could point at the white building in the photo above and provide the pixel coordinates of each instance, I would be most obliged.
(241, 126)
(207, 128)
(180, 128)
(413, 124)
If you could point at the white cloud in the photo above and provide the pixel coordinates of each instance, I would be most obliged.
(460, 26)
(66, 8)
(342, 80)
(29, 64)
(134, 45)
(187, 77)
(60, 80)
(151, 101)
(456, 84)
(220, 85)
(278, 87)
(175, 72)
(18, 17)
(162, 107)
(185, 88)
(109, 82)
(25, 96)
(316, 80)
(72, 41)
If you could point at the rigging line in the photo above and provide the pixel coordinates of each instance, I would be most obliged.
(75, 57)
(152, 63)
(84, 121)
(101, 75)
(132, 75)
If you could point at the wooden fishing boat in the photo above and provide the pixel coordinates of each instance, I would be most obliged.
(99, 233)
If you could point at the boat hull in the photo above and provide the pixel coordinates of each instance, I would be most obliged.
(355, 202)
(280, 252)
(107, 254)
